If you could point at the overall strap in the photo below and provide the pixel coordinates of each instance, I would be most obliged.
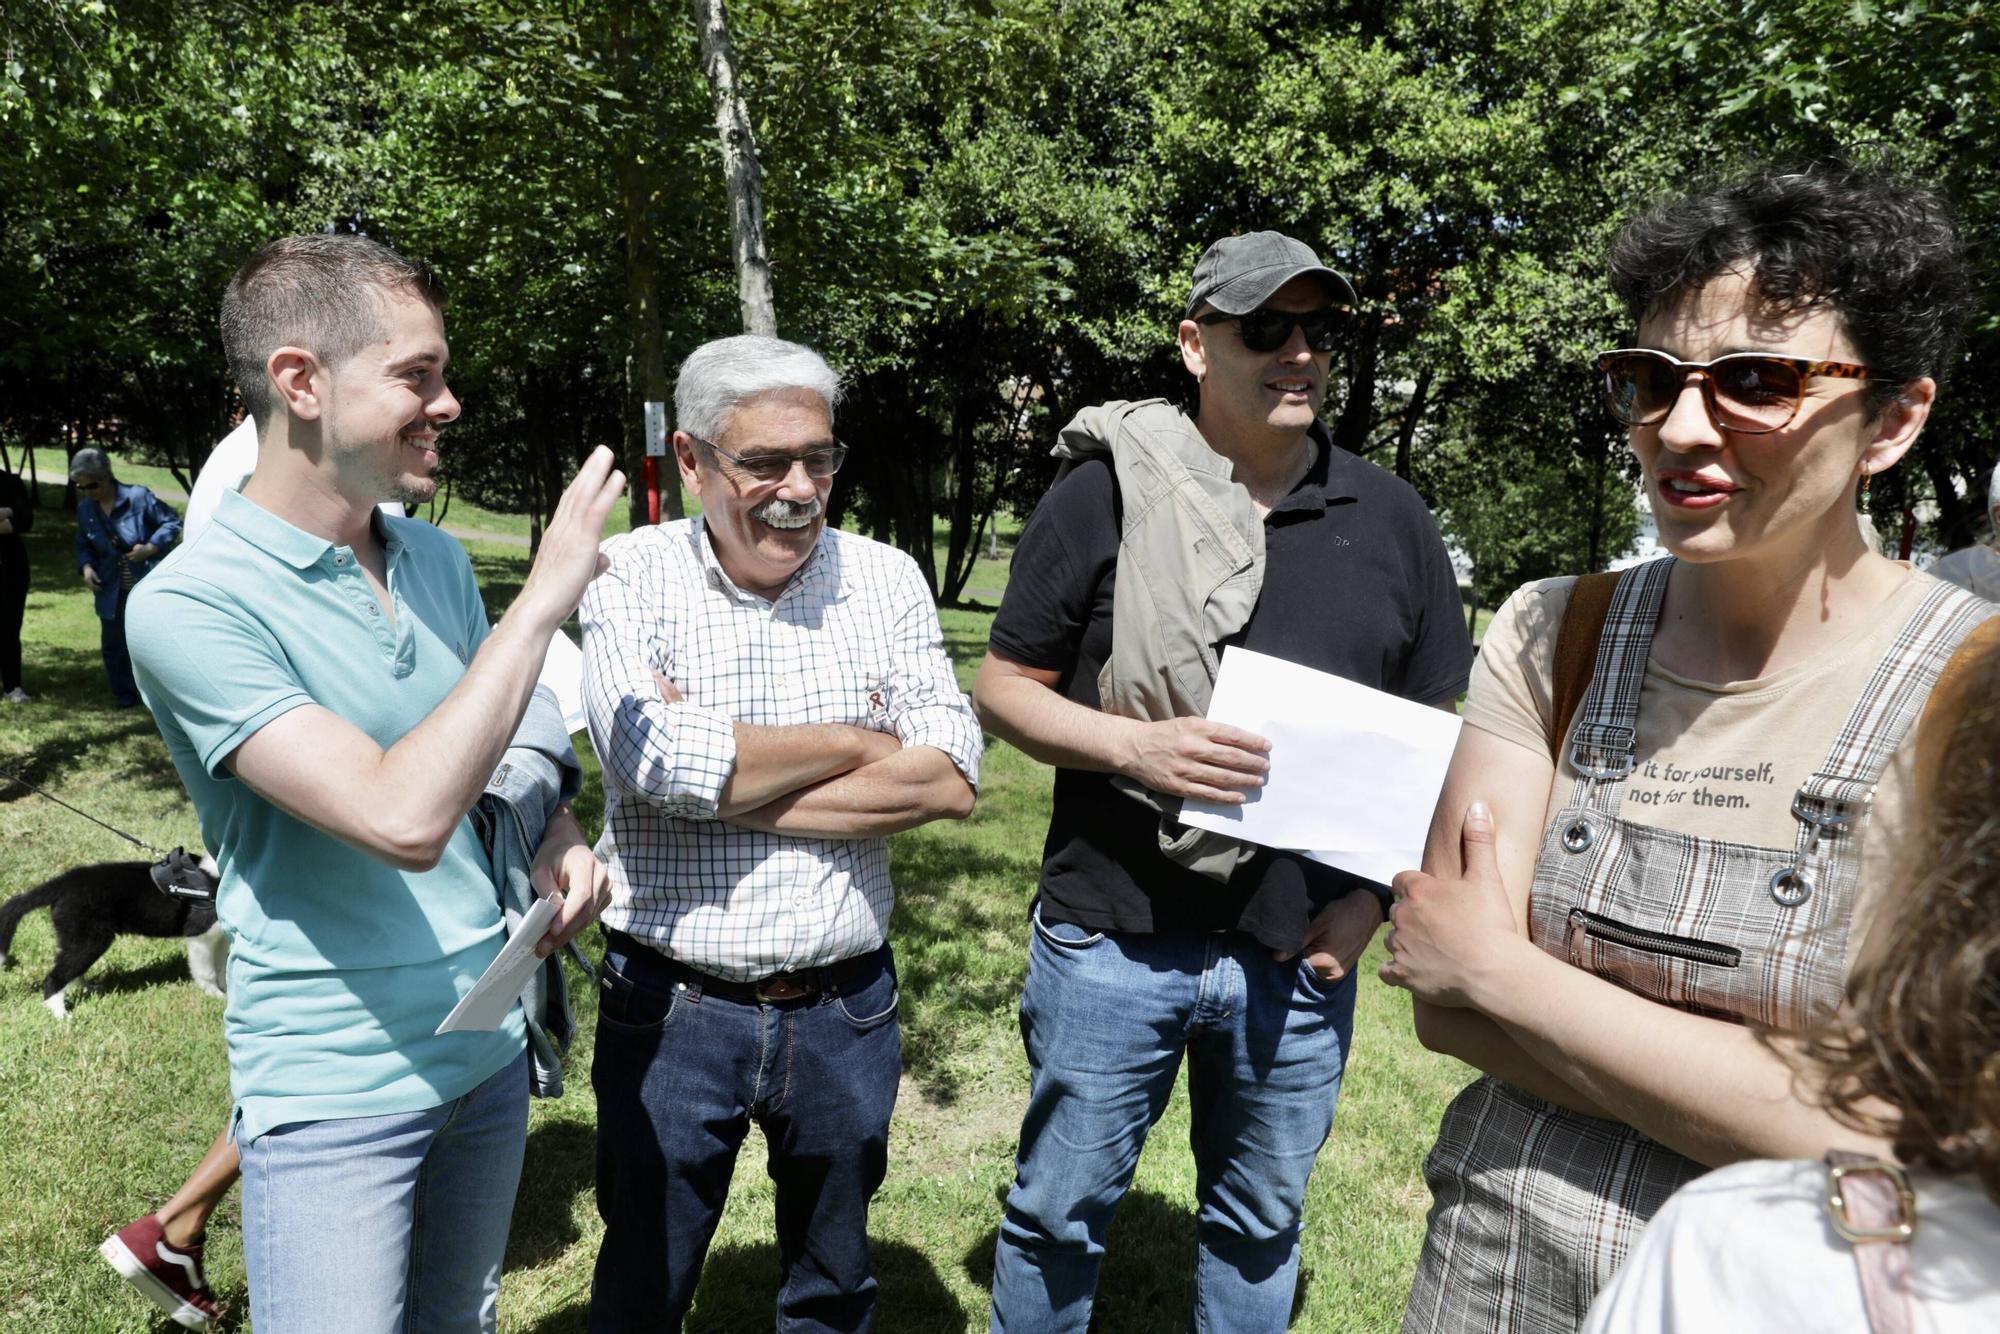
(1601, 749)
(1830, 802)
(1576, 652)
(1603, 743)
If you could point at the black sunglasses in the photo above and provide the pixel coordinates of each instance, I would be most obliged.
(1267, 330)
(777, 467)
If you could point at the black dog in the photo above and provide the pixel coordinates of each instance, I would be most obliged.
(92, 905)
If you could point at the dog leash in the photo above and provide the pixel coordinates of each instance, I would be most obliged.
(135, 842)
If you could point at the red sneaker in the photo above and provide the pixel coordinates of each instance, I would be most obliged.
(171, 1276)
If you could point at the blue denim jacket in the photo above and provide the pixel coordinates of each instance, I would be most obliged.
(538, 773)
(102, 539)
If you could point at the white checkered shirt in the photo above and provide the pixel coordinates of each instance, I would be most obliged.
(853, 638)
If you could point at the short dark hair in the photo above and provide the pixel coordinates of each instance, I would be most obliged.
(319, 292)
(1878, 248)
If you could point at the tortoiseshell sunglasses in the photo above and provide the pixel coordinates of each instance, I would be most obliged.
(1751, 393)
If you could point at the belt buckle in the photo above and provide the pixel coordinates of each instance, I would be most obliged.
(782, 987)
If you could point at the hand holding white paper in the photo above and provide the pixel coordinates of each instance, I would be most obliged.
(1355, 772)
(485, 1007)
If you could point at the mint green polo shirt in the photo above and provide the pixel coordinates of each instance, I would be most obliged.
(340, 965)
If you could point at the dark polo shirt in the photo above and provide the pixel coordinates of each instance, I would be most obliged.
(1356, 582)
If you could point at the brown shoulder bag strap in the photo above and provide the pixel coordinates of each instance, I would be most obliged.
(1576, 651)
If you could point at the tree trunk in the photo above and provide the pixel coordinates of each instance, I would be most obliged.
(1596, 561)
(1958, 517)
(1357, 414)
(639, 191)
(739, 166)
(648, 378)
(1412, 414)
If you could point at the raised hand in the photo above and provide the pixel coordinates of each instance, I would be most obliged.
(569, 557)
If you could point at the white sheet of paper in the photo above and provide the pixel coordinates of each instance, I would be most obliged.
(562, 672)
(485, 1007)
(1354, 772)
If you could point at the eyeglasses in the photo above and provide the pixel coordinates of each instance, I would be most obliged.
(1750, 393)
(1267, 330)
(777, 467)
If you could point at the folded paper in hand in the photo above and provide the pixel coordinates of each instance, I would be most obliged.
(1354, 772)
(485, 1007)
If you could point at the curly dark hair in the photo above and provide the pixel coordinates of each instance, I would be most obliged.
(1921, 1031)
(1879, 248)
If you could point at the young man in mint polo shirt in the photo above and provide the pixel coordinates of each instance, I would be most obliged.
(332, 696)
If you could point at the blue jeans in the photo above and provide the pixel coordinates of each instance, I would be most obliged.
(1106, 1017)
(680, 1076)
(117, 658)
(370, 1224)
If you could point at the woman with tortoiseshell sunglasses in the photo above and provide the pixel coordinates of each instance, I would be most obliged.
(1666, 820)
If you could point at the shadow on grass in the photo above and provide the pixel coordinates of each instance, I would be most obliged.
(953, 903)
(739, 1295)
(160, 972)
(560, 1165)
(1147, 1279)
(76, 751)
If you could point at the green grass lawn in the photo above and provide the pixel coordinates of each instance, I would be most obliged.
(106, 1112)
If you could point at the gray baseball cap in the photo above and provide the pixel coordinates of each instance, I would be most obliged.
(1239, 273)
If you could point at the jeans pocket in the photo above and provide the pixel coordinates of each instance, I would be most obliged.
(1066, 936)
(873, 1003)
(628, 1007)
(1319, 990)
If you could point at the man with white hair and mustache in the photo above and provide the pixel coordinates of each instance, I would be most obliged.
(770, 699)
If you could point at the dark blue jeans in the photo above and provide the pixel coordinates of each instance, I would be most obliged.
(679, 1078)
(117, 660)
(1106, 1017)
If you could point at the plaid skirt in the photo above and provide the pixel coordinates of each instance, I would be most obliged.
(1533, 1209)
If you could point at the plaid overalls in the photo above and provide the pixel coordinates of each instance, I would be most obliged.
(1536, 1206)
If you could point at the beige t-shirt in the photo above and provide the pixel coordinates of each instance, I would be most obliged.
(1715, 761)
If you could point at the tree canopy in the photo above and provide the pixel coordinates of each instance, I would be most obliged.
(984, 211)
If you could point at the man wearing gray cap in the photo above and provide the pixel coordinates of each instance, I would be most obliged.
(1149, 942)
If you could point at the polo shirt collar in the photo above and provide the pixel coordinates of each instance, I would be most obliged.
(283, 541)
(1330, 479)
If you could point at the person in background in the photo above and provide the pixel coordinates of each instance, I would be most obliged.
(1913, 1058)
(1977, 568)
(17, 516)
(122, 530)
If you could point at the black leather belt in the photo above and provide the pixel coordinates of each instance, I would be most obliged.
(778, 987)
